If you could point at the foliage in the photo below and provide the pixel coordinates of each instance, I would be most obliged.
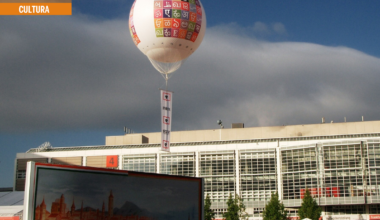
(274, 210)
(235, 208)
(209, 213)
(309, 208)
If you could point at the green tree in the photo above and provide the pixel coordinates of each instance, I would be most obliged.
(235, 208)
(209, 213)
(309, 208)
(274, 210)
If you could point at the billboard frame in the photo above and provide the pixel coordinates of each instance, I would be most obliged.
(31, 183)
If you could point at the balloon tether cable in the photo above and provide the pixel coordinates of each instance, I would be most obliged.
(166, 80)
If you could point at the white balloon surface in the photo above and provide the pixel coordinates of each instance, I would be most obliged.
(167, 31)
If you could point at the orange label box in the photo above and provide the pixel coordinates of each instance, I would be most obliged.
(10, 218)
(112, 161)
(35, 8)
(374, 217)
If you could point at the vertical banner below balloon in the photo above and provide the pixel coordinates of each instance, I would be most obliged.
(166, 119)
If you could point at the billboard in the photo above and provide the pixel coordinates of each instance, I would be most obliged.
(88, 193)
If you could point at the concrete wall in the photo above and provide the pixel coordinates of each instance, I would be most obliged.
(67, 160)
(326, 129)
(127, 139)
(97, 161)
(21, 167)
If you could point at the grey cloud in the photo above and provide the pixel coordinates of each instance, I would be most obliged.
(259, 30)
(260, 27)
(74, 72)
(279, 28)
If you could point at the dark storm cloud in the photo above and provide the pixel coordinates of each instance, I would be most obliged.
(75, 72)
(69, 72)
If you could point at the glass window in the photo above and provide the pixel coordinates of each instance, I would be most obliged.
(21, 174)
(217, 164)
(141, 164)
(344, 156)
(182, 165)
(345, 209)
(374, 209)
(298, 160)
(257, 175)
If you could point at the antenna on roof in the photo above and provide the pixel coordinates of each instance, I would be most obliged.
(128, 130)
(44, 146)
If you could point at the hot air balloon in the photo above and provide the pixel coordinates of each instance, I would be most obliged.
(167, 31)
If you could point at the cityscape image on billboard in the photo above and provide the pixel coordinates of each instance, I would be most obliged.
(80, 194)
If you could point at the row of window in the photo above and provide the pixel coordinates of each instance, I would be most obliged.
(331, 210)
(213, 165)
(306, 168)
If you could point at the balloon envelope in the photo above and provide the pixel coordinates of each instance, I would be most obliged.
(167, 31)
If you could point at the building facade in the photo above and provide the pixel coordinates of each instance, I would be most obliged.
(338, 162)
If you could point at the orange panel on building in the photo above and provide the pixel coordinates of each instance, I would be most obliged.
(374, 217)
(10, 218)
(112, 161)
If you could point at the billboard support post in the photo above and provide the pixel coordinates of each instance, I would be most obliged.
(29, 189)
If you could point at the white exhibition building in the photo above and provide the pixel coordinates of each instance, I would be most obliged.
(338, 162)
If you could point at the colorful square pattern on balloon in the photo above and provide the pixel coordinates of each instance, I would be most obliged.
(193, 8)
(185, 6)
(199, 10)
(175, 32)
(199, 20)
(193, 17)
(167, 22)
(130, 21)
(167, 32)
(188, 35)
(176, 18)
(191, 26)
(167, 13)
(185, 15)
(176, 13)
(158, 4)
(184, 24)
(177, 5)
(167, 4)
(194, 37)
(158, 13)
(176, 23)
(159, 32)
(132, 29)
(159, 23)
(182, 33)
(197, 28)
(136, 39)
